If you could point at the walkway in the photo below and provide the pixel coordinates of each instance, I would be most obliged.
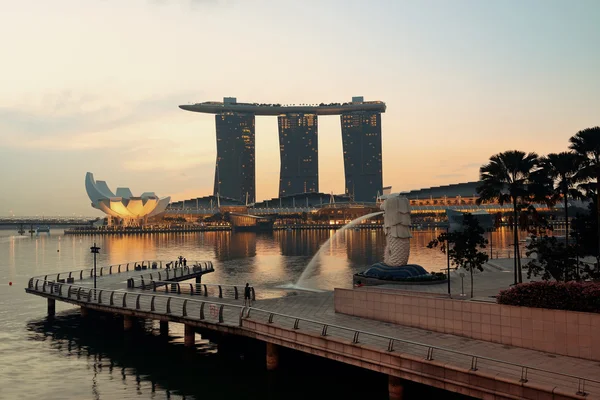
(298, 307)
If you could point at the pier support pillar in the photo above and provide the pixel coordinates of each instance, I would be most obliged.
(395, 388)
(164, 328)
(84, 311)
(199, 279)
(189, 338)
(51, 307)
(127, 323)
(272, 356)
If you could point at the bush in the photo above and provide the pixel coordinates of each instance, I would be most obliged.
(570, 296)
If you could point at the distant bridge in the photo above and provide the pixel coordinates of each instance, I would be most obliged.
(47, 220)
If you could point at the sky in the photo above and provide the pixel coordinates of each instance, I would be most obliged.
(94, 86)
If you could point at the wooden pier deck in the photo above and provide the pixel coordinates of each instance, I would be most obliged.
(307, 322)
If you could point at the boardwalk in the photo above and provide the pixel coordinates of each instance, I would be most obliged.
(307, 322)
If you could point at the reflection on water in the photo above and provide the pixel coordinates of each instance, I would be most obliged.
(145, 365)
(67, 358)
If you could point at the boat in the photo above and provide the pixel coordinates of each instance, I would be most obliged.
(42, 229)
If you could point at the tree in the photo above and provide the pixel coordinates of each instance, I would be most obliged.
(553, 259)
(586, 144)
(466, 243)
(558, 174)
(505, 179)
(584, 229)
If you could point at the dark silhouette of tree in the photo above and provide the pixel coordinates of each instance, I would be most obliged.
(586, 144)
(553, 259)
(557, 180)
(466, 244)
(505, 179)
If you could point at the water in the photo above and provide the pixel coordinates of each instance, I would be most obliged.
(302, 282)
(71, 358)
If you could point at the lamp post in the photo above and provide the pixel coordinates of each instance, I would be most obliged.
(95, 249)
(448, 260)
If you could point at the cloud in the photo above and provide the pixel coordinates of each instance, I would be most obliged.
(448, 176)
(64, 121)
(194, 4)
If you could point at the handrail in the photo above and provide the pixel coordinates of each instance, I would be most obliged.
(91, 295)
(430, 348)
(200, 266)
(118, 268)
(196, 288)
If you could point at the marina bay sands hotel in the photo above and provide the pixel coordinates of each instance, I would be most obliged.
(298, 145)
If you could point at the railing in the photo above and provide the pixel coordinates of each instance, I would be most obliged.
(522, 372)
(143, 280)
(198, 289)
(80, 274)
(201, 310)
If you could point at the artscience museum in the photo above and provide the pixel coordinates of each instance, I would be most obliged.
(123, 205)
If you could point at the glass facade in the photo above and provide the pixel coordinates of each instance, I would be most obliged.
(299, 153)
(361, 140)
(235, 167)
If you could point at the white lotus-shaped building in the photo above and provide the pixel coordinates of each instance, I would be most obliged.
(123, 204)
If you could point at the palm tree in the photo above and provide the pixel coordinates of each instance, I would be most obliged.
(559, 175)
(586, 144)
(505, 179)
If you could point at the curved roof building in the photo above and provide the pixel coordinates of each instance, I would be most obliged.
(123, 204)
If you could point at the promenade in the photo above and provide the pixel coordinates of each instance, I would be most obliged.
(308, 322)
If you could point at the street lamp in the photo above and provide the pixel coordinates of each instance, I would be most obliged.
(95, 250)
(448, 258)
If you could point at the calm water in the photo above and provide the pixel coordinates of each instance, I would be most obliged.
(71, 358)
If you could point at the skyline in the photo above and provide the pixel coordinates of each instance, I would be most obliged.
(461, 81)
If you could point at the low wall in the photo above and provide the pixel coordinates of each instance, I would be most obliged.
(553, 331)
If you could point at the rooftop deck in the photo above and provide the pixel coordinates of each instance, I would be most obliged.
(213, 107)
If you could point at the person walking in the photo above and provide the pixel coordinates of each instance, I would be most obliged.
(248, 295)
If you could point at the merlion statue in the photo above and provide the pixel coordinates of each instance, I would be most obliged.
(396, 226)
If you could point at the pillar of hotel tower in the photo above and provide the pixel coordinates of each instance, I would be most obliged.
(299, 153)
(361, 140)
(235, 172)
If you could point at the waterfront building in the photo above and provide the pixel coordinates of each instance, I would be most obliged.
(123, 206)
(235, 166)
(298, 135)
(299, 153)
(361, 139)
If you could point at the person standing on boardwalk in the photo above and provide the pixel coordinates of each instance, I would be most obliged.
(248, 295)
(185, 262)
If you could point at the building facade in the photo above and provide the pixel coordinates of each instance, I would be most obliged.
(235, 166)
(361, 140)
(299, 154)
(298, 138)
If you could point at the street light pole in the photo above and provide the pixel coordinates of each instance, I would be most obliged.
(448, 259)
(95, 249)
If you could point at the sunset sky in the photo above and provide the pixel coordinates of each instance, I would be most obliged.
(94, 86)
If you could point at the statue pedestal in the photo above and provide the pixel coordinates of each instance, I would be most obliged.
(410, 274)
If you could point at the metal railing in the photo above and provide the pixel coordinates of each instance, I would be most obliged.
(198, 289)
(523, 372)
(80, 274)
(202, 310)
(171, 273)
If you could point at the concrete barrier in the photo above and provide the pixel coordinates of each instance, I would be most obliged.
(553, 331)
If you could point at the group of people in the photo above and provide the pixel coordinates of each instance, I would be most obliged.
(180, 262)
